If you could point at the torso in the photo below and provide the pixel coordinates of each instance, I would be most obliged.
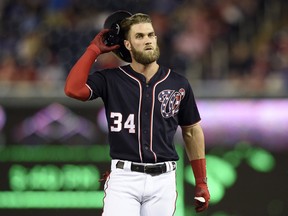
(143, 116)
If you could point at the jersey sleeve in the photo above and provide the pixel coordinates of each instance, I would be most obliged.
(96, 82)
(188, 113)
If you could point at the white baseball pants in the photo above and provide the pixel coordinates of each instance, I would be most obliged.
(129, 193)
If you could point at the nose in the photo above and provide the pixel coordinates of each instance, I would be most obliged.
(148, 41)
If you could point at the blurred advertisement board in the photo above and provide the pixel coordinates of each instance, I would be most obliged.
(52, 157)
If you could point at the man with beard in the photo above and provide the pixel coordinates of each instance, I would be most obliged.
(144, 103)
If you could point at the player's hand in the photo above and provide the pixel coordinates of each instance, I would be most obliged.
(201, 191)
(99, 42)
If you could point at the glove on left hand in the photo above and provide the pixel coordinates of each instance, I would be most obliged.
(201, 190)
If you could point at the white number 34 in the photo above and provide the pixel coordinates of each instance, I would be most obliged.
(117, 122)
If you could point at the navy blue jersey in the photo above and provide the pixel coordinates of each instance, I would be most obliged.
(143, 117)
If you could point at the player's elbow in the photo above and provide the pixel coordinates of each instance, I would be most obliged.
(70, 92)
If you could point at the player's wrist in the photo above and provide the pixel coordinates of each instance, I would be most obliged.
(94, 48)
(201, 181)
(199, 170)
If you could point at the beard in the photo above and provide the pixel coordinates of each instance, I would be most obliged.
(146, 58)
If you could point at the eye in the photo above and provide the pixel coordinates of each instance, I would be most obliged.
(151, 35)
(139, 36)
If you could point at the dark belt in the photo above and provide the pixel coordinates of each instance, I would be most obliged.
(153, 170)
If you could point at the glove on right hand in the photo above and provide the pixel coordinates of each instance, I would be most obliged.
(99, 42)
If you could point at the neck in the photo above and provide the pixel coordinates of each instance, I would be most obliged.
(147, 70)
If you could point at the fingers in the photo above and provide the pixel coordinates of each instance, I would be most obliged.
(200, 206)
(202, 197)
(99, 42)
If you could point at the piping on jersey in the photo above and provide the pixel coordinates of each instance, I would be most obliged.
(91, 91)
(152, 114)
(139, 112)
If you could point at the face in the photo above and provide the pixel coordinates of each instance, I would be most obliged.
(142, 42)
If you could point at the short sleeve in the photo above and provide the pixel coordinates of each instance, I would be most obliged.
(188, 113)
(97, 84)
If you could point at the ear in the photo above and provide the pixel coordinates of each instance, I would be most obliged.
(127, 45)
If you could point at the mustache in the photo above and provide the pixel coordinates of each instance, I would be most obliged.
(146, 58)
(149, 47)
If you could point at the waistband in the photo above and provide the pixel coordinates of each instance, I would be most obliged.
(148, 168)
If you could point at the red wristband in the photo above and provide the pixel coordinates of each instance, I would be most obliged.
(199, 170)
(94, 48)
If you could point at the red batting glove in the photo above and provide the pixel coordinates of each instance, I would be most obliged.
(98, 45)
(201, 188)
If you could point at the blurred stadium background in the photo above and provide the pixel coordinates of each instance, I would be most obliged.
(53, 149)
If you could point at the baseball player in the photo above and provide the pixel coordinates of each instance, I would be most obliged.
(145, 103)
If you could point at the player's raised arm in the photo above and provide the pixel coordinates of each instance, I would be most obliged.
(195, 148)
(75, 86)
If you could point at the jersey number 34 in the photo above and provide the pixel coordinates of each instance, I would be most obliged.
(118, 122)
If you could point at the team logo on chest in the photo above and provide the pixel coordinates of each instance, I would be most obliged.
(170, 102)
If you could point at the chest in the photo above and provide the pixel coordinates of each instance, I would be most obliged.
(162, 98)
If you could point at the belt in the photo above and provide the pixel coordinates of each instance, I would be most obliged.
(151, 169)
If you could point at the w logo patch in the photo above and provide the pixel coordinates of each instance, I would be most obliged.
(170, 102)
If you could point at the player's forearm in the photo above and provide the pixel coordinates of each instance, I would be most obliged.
(76, 81)
(194, 142)
(195, 148)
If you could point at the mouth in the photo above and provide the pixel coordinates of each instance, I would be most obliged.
(148, 48)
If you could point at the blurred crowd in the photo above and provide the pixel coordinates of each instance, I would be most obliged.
(240, 41)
